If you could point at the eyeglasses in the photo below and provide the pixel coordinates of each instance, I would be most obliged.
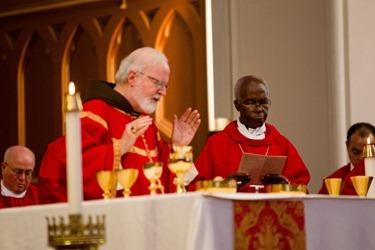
(18, 172)
(251, 104)
(158, 84)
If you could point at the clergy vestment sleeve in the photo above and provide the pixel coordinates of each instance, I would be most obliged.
(294, 169)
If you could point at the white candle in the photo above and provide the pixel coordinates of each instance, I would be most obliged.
(74, 150)
(370, 169)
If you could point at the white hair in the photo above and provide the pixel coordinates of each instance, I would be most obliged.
(138, 60)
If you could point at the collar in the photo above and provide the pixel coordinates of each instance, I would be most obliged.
(251, 133)
(105, 91)
(7, 192)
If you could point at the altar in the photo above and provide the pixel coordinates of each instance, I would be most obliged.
(193, 221)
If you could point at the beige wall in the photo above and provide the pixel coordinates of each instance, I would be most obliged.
(317, 57)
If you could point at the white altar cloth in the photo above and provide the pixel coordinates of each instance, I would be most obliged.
(192, 221)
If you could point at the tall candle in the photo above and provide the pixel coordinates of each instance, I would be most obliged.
(74, 150)
(368, 154)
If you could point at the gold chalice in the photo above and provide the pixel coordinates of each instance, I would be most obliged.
(180, 161)
(153, 171)
(127, 178)
(107, 181)
(361, 184)
(333, 186)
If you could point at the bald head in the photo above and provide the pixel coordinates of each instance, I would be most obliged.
(17, 168)
(251, 100)
(19, 153)
(243, 83)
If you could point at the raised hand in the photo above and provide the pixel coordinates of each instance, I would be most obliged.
(241, 178)
(273, 179)
(185, 127)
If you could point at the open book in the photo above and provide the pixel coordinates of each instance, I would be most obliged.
(259, 165)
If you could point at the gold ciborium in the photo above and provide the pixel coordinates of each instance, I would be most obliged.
(286, 188)
(180, 161)
(107, 181)
(361, 184)
(127, 178)
(153, 171)
(333, 186)
(217, 186)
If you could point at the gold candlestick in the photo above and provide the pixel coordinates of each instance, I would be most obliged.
(75, 234)
(369, 158)
(368, 150)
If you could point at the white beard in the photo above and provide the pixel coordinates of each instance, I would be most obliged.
(146, 104)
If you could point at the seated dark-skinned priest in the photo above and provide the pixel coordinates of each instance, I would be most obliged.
(250, 133)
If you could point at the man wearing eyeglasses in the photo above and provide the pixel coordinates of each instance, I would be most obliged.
(250, 134)
(118, 131)
(17, 171)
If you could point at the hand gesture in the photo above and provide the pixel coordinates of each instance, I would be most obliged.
(131, 132)
(273, 179)
(241, 178)
(185, 127)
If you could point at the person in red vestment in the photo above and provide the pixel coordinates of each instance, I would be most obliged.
(17, 171)
(117, 130)
(356, 138)
(249, 134)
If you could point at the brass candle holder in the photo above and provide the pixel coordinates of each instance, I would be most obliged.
(369, 158)
(76, 235)
(368, 150)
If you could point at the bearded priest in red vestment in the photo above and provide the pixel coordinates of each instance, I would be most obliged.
(117, 130)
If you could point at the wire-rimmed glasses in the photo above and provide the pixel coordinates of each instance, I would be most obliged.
(18, 172)
(251, 104)
(158, 84)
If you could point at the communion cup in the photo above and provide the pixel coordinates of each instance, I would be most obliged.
(127, 177)
(333, 186)
(153, 171)
(107, 181)
(361, 184)
(180, 161)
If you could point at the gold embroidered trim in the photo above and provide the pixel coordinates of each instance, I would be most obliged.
(94, 117)
(158, 137)
(123, 112)
(139, 151)
(116, 154)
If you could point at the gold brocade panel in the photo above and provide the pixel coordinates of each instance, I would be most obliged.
(267, 225)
